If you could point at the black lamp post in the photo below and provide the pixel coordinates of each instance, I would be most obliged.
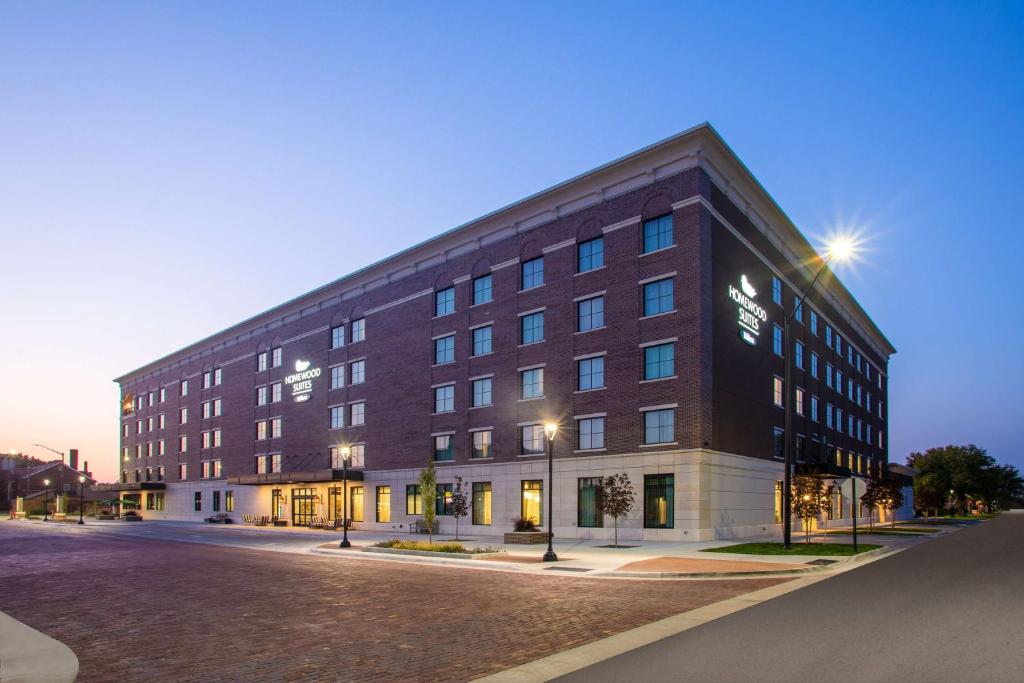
(46, 500)
(345, 453)
(81, 498)
(853, 504)
(549, 430)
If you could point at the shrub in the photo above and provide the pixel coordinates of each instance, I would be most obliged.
(527, 524)
(450, 547)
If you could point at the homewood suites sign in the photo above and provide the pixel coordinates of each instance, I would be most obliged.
(302, 380)
(750, 315)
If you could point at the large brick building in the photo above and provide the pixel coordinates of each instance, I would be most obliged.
(636, 305)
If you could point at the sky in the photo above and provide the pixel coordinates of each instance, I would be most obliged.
(169, 169)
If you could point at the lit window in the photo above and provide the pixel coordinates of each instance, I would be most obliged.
(590, 255)
(799, 401)
(590, 373)
(262, 464)
(182, 471)
(357, 374)
(657, 233)
(590, 314)
(413, 500)
(217, 377)
(482, 338)
(531, 439)
(182, 444)
(184, 387)
(482, 289)
(443, 449)
(658, 297)
(482, 444)
(275, 428)
(481, 503)
(659, 426)
(590, 433)
(444, 301)
(383, 504)
(777, 340)
(532, 328)
(163, 394)
(216, 468)
(261, 361)
(357, 414)
(444, 350)
(659, 361)
(358, 330)
(532, 273)
(275, 462)
(482, 392)
(531, 383)
(444, 399)
(777, 391)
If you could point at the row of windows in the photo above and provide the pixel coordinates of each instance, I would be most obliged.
(208, 439)
(855, 461)
(833, 375)
(833, 414)
(229, 501)
(356, 415)
(357, 333)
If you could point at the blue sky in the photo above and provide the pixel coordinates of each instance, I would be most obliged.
(169, 169)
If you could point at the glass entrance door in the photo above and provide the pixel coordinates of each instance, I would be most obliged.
(303, 507)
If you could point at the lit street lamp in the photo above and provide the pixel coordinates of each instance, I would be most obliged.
(840, 249)
(550, 429)
(46, 500)
(345, 453)
(81, 498)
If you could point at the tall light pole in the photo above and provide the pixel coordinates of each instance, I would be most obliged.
(46, 500)
(839, 250)
(52, 450)
(345, 453)
(81, 498)
(550, 429)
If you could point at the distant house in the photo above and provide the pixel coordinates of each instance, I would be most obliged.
(18, 479)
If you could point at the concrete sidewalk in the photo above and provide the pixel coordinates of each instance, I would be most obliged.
(28, 656)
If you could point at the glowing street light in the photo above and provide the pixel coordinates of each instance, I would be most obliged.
(550, 429)
(81, 497)
(839, 248)
(345, 453)
(46, 500)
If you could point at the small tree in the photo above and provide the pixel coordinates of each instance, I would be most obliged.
(827, 498)
(460, 503)
(428, 492)
(617, 499)
(874, 495)
(892, 497)
(929, 493)
(807, 494)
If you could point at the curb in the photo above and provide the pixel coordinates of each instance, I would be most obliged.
(29, 656)
(418, 559)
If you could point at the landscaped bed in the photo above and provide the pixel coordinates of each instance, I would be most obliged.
(796, 549)
(423, 548)
(892, 532)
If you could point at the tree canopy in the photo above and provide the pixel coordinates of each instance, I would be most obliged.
(962, 473)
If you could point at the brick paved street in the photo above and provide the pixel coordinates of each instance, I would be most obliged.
(139, 609)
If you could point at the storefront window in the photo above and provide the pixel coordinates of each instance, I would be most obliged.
(355, 503)
(383, 503)
(658, 496)
(229, 501)
(531, 505)
(778, 502)
(443, 502)
(413, 500)
(588, 503)
(481, 502)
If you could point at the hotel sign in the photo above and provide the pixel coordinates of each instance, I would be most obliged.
(302, 380)
(750, 315)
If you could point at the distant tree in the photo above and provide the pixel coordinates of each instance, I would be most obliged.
(891, 496)
(807, 495)
(873, 496)
(460, 503)
(827, 500)
(428, 492)
(617, 499)
(929, 493)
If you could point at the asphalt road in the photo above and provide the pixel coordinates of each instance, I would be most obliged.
(951, 609)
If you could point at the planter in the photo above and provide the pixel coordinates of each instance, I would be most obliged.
(106, 518)
(431, 553)
(525, 537)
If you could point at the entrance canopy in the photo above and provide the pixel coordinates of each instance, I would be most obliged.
(307, 477)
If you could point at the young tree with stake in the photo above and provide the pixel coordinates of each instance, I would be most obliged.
(460, 503)
(617, 499)
(428, 491)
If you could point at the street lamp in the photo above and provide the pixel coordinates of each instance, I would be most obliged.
(52, 450)
(81, 498)
(345, 453)
(839, 249)
(550, 429)
(46, 500)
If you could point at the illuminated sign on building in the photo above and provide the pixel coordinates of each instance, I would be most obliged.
(749, 314)
(302, 381)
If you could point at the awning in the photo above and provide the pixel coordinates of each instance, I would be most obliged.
(307, 477)
(133, 486)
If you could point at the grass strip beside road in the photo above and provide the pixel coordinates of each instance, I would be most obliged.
(816, 549)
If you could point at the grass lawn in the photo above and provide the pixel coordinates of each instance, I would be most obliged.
(891, 532)
(966, 518)
(797, 549)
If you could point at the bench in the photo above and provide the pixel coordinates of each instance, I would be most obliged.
(419, 526)
(219, 518)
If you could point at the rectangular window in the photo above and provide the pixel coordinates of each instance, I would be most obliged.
(532, 273)
(590, 255)
(413, 500)
(444, 399)
(590, 433)
(182, 472)
(184, 387)
(778, 442)
(483, 289)
(337, 376)
(588, 503)
(182, 444)
(229, 501)
(207, 380)
(216, 501)
(814, 365)
(149, 424)
(275, 462)
(590, 373)
(531, 383)
(275, 428)
(776, 290)
(275, 392)
(531, 328)
(839, 381)
(659, 426)
(383, 503)
(778, 395)
(814, 323)
(261, 396)
(839, 344)
(482, 338)
(659, 505)
(814, 408)
(659, 361)
(443, 502)
(197, 501)
(183, 416)
(828, 415)
(217, 377)
(355, 504)
(357, 373)
(839, 420)
(481, 392)
(590, 314)
(777, 340)
(262, 464)
(657, 233)
(799, 407)
(482, 444)
(798, 355)
(261, 361)
(798, 309)
(204, 472)
(481, 503)
(531, 501)
(161, 447)
(828, 375)
(531, 439)
(658, 297)
(444, 448)
(444, 350)
(849, 388)
(444, 302)
(358, 330)
(357, 414)
(337, 417)
(337, 337)
(216, 438)
(275, 357)
(138, 426)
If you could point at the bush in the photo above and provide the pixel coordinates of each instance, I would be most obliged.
(524, 524)
(449, 547)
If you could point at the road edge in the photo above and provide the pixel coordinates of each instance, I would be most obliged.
(30, 656)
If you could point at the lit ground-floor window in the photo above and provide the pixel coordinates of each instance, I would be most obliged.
(481, 502)
(355, 504)
(383, 503)
(658, 496)
(532, 497)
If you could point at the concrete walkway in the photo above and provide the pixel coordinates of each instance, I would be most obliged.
(28, 656)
